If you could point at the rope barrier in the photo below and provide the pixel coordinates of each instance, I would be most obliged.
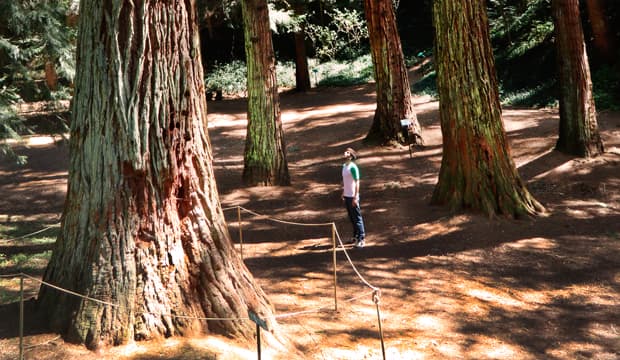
(374, 288)
(376, 292)
(278, 220)
(32, 234)
(281, 316)
(139, 313)
(10, 275)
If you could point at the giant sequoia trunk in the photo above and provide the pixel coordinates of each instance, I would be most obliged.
(477, 171)
(143, 228)
(394, 102)
(579, 133)
(264, 155)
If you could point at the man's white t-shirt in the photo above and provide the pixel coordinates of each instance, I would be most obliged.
(350, 174)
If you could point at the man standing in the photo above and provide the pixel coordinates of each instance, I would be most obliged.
(351, 196)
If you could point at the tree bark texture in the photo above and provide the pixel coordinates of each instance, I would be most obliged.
(394, 101)
(477, 171)
(142, 227)
(579, 134)
(264, 155)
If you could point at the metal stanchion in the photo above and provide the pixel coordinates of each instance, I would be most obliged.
(335, 272)
(375, 299)
(21, 317)
(240, 230)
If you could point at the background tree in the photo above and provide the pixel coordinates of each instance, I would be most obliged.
(602, 40)
(394, 100)
(477, 171)
(142, 226)
(264, 155)
(579, 133)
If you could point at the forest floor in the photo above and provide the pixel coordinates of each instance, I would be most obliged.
(452, 286)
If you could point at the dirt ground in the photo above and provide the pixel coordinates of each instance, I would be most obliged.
(452, 286)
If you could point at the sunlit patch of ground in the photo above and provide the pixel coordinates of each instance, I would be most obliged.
(452, 286)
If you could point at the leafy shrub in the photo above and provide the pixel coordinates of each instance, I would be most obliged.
(11, 125)
(229, 78)
(341, 38)
(345, 73)
(606, 84)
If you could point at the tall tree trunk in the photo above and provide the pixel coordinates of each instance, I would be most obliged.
(579, 133)
(394, 102)
(603, 42)
(302, 75)
(142, 227)
(477, 171)
(264, 156)
(51, 76)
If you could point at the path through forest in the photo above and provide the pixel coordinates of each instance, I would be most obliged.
(453, 286)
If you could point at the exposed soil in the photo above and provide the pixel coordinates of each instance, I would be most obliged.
(452, 286)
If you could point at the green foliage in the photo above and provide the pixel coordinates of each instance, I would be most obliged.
(606, 84)
(35, 33)
(522, 35)
(345, 73)
(341, 37)
(230, 78)
(11, 125)
(32, 250)
(543, 95)
(285, 73)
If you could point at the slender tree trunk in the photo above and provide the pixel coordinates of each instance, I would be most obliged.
(394, 101)
(264, 156)
(302, 75)
(51, 76)
(603, 42)
(477, 171)
(143, 228)
(579, 133)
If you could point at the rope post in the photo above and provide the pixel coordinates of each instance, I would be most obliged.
(21, 316)
(240, 230)
(258, 340)
(335, 272)
(375, 299)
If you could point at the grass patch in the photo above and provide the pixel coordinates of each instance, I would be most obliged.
(26, 246)
(345, 73)
(28, 232)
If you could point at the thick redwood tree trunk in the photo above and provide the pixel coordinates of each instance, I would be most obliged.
(264, 155)
(477, 171)
(143, 228)
(579, 134)
(394, 102)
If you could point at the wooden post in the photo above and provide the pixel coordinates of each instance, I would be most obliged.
(21, 317)
(335, 272)
(240, 230)
(259, 323)
(258, 340)
(375, 299)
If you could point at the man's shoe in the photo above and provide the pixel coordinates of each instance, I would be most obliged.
(360, 243)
